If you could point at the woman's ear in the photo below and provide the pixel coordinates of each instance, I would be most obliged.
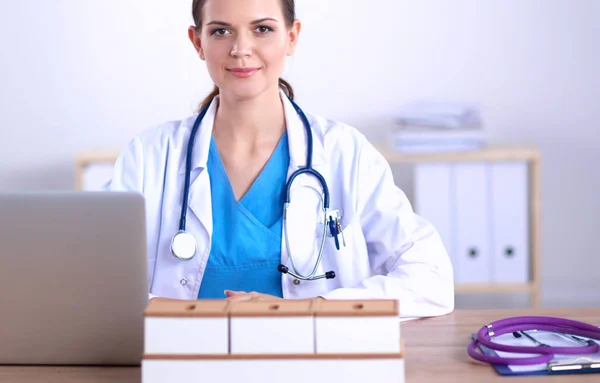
(294, 34)
(194, 36)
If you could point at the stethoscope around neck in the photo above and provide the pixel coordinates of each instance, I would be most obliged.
(184, 245)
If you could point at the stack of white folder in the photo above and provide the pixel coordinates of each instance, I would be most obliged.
(289, 341)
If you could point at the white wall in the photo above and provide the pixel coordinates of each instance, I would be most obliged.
(78, 75)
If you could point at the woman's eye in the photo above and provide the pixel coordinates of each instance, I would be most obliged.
(220, 32)
(262, 29)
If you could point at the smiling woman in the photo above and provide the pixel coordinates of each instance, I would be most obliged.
(251, 198)
(277, 37)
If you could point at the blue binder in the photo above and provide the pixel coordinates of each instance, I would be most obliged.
(505, 370)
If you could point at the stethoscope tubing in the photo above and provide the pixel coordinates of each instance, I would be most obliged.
(295, 273)
(188, 166)
(528, 323)
(307, 169)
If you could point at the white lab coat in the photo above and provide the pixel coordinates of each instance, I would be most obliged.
(390, 251)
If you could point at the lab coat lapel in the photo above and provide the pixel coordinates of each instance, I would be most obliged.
(199, 200)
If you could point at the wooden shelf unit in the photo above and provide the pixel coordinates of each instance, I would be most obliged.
(489, 153)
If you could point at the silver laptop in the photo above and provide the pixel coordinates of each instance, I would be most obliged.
(73, 278)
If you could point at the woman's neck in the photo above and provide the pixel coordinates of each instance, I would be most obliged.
(253, 122)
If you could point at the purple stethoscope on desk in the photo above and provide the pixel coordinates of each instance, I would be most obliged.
(546, 353)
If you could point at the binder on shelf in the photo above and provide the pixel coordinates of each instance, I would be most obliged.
(435, 196)
(509, 208)
(472, 223)
(481, 210)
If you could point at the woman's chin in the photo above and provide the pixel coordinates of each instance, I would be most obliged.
(244, 91)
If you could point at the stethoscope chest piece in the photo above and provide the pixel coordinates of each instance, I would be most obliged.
(183, 245)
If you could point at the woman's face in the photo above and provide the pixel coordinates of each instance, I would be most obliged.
(244, 44)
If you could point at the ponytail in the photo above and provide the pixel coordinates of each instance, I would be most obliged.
(287, 88)
(209, 98)
(284, 85)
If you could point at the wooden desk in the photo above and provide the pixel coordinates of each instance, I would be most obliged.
(445, 339)
(442, 339)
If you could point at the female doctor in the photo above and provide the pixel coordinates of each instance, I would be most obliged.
(252, 198)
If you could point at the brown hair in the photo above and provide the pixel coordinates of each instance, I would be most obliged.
(289, 14)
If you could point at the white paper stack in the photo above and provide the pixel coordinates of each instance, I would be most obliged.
(273, 341)
(434, 126)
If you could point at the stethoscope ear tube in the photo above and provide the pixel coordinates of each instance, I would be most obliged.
(285, 270)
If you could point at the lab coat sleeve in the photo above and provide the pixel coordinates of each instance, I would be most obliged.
(407, 257)
(128, 172)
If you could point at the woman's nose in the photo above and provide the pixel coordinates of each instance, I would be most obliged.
(241, 48)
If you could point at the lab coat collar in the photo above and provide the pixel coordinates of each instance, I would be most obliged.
(202, 139)
(297, 137)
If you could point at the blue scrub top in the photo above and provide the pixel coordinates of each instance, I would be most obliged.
(246, 239)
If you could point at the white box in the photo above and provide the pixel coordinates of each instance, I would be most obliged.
(386, 370)
(272, 327)
(186, 328)
(357, 327)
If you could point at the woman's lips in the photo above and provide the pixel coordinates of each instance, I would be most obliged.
(243, 72)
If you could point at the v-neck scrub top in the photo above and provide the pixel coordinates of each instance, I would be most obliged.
(246, 239)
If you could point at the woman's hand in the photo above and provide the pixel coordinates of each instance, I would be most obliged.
(251, 296)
